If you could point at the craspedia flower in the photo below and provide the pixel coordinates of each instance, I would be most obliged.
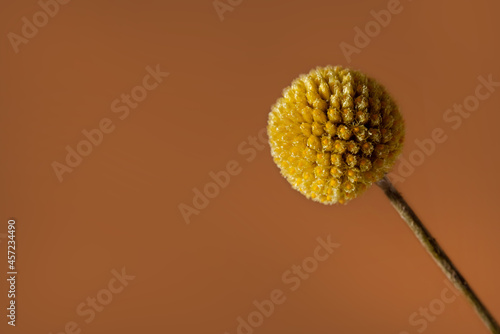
(334, 132)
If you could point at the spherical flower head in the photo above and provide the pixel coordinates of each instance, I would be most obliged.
(334, 133)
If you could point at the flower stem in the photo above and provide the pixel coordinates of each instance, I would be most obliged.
(431, 245)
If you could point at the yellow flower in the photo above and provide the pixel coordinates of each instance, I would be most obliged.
(334, 132)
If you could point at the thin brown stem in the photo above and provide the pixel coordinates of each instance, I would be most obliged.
(437, 253)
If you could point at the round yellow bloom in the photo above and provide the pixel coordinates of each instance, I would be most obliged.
(334, 132)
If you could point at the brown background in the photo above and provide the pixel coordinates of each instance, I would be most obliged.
(119, 208)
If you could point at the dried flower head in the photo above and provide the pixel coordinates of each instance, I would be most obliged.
(334, 132)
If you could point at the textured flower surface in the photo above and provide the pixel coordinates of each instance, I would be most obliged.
(335, 132)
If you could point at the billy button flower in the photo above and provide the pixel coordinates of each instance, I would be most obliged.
(335, 132)
(344, 114)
